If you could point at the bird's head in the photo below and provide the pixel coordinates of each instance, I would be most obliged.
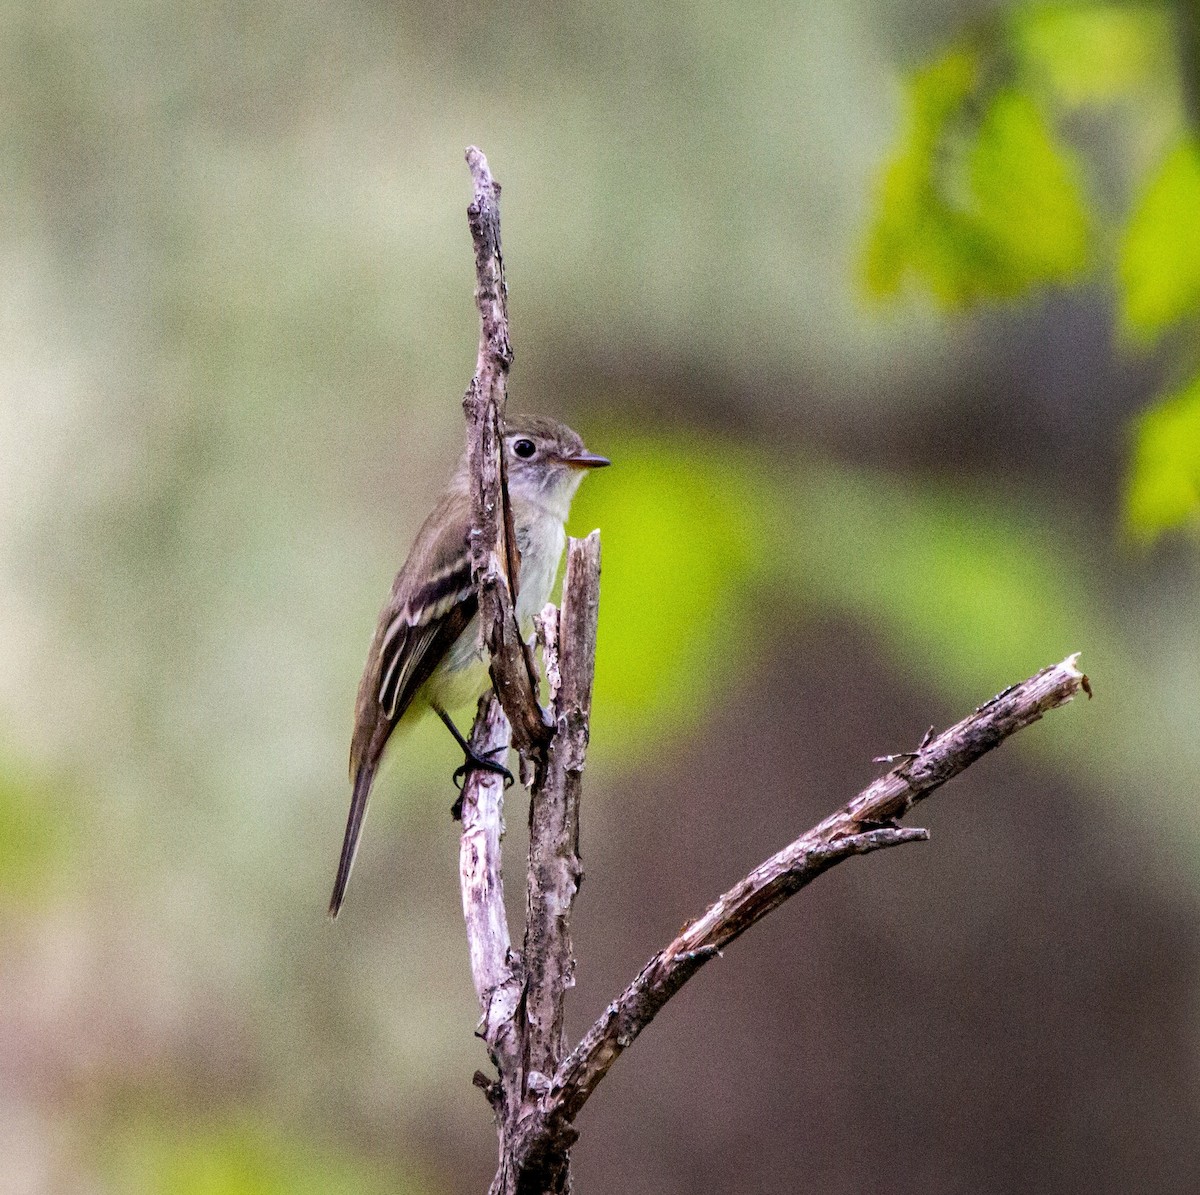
(546, 461)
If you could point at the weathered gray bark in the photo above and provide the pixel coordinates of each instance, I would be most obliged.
(521, 996)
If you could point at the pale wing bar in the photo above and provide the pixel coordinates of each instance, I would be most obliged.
(436, 615)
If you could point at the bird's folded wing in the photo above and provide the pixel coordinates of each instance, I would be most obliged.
(421, 632)
(431, 605)
(432, 602)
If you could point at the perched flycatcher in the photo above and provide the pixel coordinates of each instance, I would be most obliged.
(427, 652)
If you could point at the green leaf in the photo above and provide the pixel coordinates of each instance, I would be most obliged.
(909, 233)
(679, 543)
(1091, 53)
(975, 211)
(1163, 490)
(1160, 254)
(1030, 207)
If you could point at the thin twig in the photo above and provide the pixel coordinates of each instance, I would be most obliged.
(493, 542)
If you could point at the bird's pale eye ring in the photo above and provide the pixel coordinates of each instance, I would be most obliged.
(524, 449)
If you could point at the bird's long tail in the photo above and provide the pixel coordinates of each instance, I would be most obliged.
(354, 825)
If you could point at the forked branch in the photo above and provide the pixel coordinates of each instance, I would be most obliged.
(538, 1092)
(865, 824)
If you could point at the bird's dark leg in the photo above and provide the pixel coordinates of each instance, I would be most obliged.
(473, 760)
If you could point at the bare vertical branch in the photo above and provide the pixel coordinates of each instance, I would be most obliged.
(497, 973)
(505, 991)
(554, 865)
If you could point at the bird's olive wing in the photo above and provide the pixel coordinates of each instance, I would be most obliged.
(417, 640)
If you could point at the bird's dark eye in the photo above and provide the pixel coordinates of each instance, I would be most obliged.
(525, 449)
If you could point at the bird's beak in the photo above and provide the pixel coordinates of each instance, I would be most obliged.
(586, 460)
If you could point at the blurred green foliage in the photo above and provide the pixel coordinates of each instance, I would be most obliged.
(974, 590)
(1090, 53)
(36, 834)
(241, 1156)
(1160, 251)
(682, 549)
(971, 590)
(1030, 209)
(981, 200)
(1164, 480)
(914, 229)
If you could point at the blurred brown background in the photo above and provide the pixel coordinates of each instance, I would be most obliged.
(235, 325)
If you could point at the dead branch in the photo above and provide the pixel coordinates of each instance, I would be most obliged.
(538, 1093)
(864, 824)
(521, 997)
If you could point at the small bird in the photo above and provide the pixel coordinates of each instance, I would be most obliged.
(427, 653)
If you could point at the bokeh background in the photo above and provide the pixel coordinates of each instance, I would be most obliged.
(235, 325)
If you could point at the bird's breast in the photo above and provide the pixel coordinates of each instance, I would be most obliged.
(541, 542)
